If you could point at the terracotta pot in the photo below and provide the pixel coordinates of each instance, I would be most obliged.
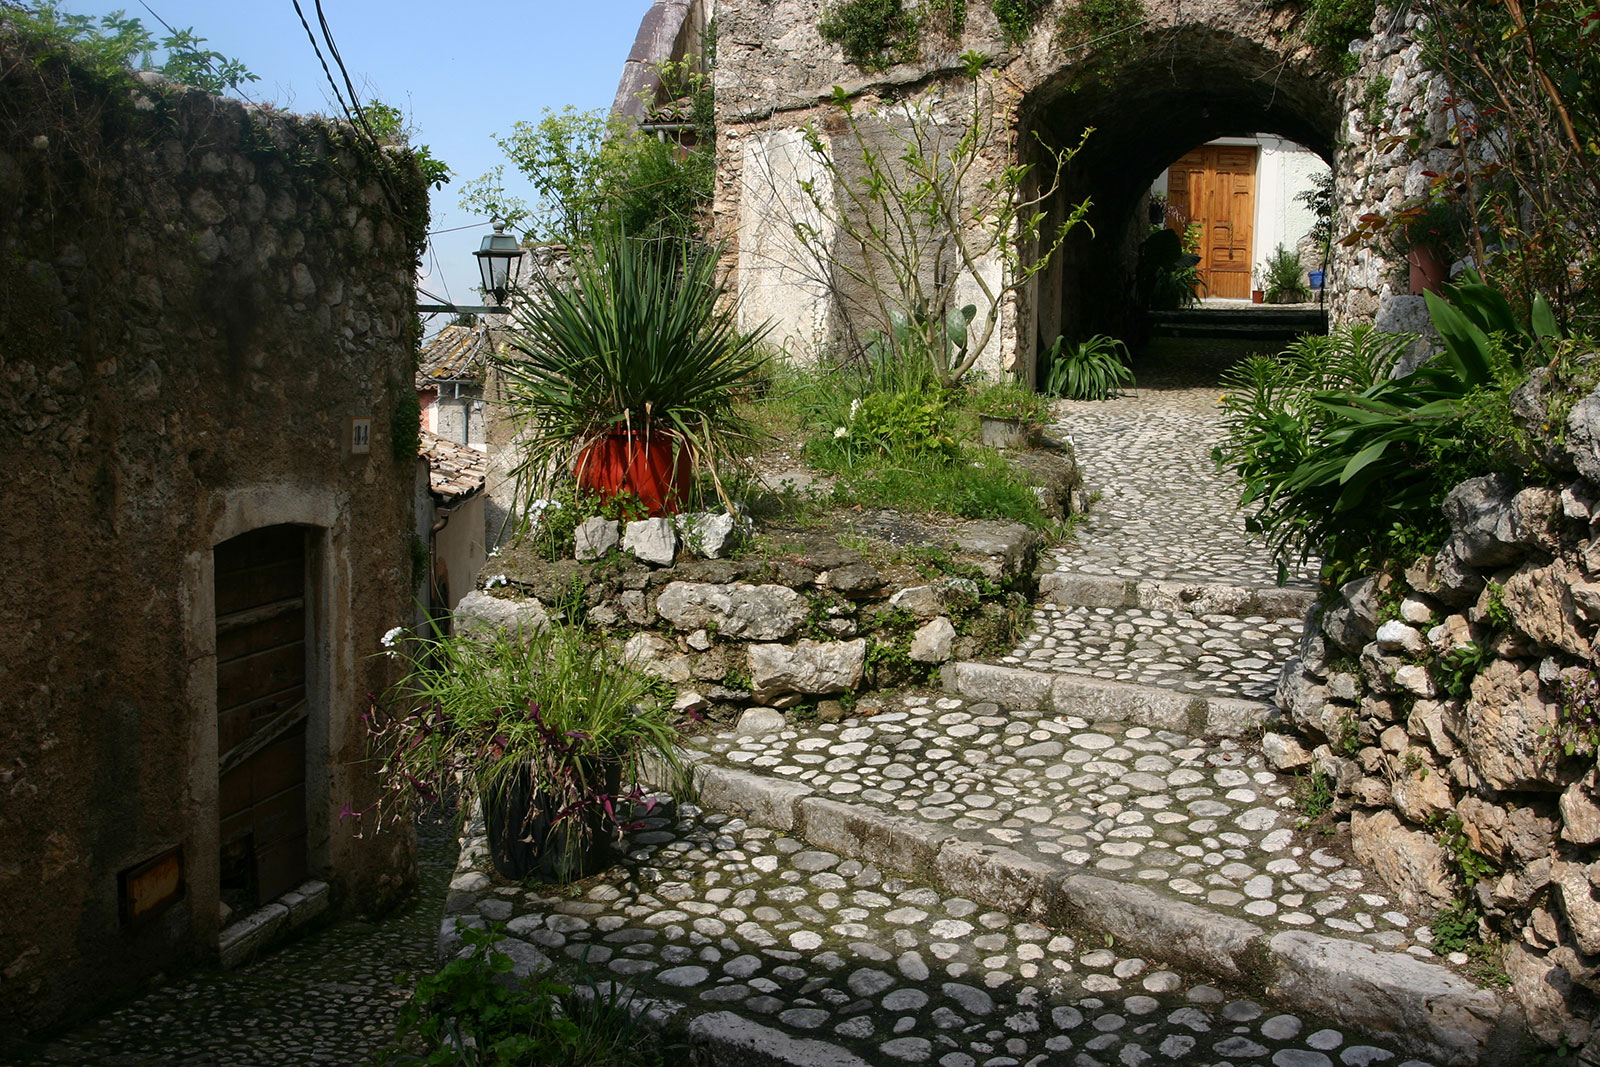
(1428, 270)
(526, 839)
(652, 466)
(1258, 296)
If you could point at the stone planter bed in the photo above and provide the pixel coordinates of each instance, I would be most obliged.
(750, 624)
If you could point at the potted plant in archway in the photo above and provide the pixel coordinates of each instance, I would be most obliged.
(627, 376)
(546, 730)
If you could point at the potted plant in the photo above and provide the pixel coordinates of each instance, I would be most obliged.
(1428, 233)
(546, 730)
(1285, 277)
(628, 376)
(1010, 415)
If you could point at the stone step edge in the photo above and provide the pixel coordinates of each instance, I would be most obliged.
(1102, 700)
(1424, 1008)
(1073, 590)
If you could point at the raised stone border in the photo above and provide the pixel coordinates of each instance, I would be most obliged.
(1108, 701)
(1422, 1007)
(1201, 598)
(271, 924)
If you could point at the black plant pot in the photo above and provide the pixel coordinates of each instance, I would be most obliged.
(525, 840)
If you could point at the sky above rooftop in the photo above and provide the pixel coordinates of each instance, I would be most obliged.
(460, 72)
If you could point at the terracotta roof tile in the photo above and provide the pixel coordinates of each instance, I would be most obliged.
(454, 470)
(456, 354)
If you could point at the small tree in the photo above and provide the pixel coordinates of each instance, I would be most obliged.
(941, 202)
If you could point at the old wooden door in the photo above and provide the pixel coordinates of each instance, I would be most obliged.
(261, 713)
(1215, 186)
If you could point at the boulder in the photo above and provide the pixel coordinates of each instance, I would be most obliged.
(1580, 815)
(1545, 991)
(933, 641)
(759, 722)
(811, 667)
(1420, 790)
(594, 537)
(922, 601)
(658, 658)
(854, 580)
(1352, 621)
(1578, 904)
(746, 612)
(1583, 436)
(651, 541)
(1508, 728)
(1410, 862)
(1508, 834)
(1396, 636)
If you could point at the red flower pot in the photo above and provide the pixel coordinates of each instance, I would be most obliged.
(1428, 270)
(1258, 296)
(652, 466)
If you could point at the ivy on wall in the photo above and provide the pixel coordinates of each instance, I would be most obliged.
(875, 34)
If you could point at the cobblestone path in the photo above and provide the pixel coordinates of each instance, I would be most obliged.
(821, 959)
(329, 998)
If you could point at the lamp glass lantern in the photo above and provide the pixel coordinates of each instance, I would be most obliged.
(499, 261)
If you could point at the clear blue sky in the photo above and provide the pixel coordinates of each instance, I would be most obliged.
(460, 71)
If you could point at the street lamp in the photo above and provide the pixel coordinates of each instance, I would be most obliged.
(499, 261)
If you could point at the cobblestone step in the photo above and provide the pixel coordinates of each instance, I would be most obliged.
(1215, 654)
(1158, 707)
(1071, 589)
(762, 947)
(1175, 849)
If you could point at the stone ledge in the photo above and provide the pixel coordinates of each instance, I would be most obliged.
(268, 926)
(1201, 598)
(1423, 1007)
(1101, 700)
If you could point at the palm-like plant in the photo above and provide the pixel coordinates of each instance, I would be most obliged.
(641, 340)
(1095, 370)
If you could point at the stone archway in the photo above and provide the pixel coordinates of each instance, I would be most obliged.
(1149, 102)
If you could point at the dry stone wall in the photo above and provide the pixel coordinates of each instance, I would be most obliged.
(1455, 711)
(196, 297)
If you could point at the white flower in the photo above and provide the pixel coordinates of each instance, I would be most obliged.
(392, 636)
(840, 431)
(498, 579)
(855, 407)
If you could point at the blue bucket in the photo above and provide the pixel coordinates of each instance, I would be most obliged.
(1316, 278)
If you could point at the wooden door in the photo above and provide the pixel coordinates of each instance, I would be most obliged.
(1215, 186)
(260, 583)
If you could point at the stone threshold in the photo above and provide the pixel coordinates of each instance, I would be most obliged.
(1423, 1007)
(1097, 699)
(1071, 589)
(272, 924)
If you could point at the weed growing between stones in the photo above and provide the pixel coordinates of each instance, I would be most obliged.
(1313, 797)
(476, 1010)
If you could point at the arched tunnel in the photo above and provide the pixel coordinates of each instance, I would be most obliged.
(1149, 102)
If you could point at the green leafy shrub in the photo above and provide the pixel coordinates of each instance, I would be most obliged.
(1168, 275)
(1018, 17)
(1095, 370)
(1456, 668)
(1332, 24)
(874, 34)
(887, 425)
(1454, 926)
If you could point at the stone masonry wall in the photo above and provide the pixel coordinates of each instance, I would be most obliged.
(196, 296)
(1454, 710)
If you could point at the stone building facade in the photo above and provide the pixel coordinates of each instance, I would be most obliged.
(207, 351)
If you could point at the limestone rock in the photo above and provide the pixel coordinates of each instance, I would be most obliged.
(1542, 605)
(1480, 511)
(747, 612)
(855, 580)
(1583, 436)
(1283, 752)
(651, 541)
(759, 722)
(807, 667)
(1544, 989)
(657, 657)
(1420, 791)
(933, 641)
(1578, 904)
(1007, 548)
(709, 534)
(1506, 726)
(594, 537)
(1396, 636)
(1450, 634)
(922, 601)
(1410, 862)
(1415, 611)
(1507, 834)
(479, 611)
(1427, 724)
(1580, 815)
(1353, 619)
(1371, 792)
(1535, 515)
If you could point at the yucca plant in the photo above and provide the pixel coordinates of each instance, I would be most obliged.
(640, 340)
(1094, 370)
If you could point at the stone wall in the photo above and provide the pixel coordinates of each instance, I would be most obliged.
(1454, 710)
(196, 297)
